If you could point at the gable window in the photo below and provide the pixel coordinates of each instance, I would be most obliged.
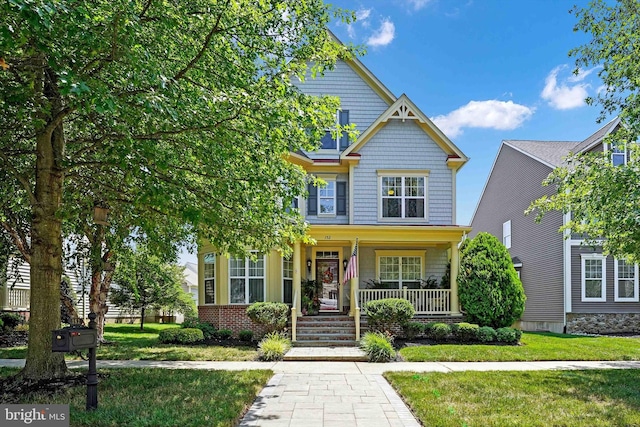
(287, 280)
(619, 154)
(403, 196)
(398, 271)
(625, 281)
(327, 199)
(594, 282)
(246, 280)
(506, 234)
(209, 278)
(330, 141)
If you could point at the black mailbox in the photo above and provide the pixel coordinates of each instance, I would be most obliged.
(73, 338)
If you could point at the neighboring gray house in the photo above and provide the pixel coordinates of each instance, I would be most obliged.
(570, 286)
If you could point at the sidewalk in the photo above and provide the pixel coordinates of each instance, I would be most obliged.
(337, 394)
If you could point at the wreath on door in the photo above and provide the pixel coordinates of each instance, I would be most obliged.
(327, 276)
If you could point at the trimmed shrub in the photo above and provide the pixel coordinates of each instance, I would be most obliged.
(1, 325)
(245, 335)
(207, 328)
(272, 316)
(181, 336)
(273, 346)
(383, 314)
(10, 320)
(224, 334)
(413, 329)
(378, 347)
(508, 335)
(489, 289)
(486, 334)
(464, 332)
(439, 331)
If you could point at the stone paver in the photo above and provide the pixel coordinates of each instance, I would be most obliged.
(310, 399)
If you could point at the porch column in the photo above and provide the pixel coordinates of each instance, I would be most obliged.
(297, 277)
(455, 266)
(354, 283)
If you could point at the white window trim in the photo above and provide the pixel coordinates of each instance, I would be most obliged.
(583, 278)
(284, 277)
(615, 283)
(609, 149)
(336, 139)
(335, 198)
(400, 255)
(404, 173)
(246, 280)
(506, 234)
(204, 281)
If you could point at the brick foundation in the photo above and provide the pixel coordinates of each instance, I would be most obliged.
(233, 317)
(603, 323)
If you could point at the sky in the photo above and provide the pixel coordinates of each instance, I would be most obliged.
(482, 70)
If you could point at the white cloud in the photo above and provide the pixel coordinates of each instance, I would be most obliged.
(383, 35)
(582, 74)
(418, 4)
(492, 114)
(362, 15)
(563, 96)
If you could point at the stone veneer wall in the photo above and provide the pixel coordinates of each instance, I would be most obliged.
(603, 323)
(233, 317)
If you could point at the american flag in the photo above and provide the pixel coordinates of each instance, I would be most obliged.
(352, 266)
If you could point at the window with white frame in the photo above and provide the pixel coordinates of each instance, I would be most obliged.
(331, 141)
(327, 199)
(594, 278)
(399, 271)
(403, 196)
(506, 234)
(210, 278)
(625, 281)
(246, 280)
(619, 154)
(287, 280)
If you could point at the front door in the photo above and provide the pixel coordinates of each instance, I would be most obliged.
(327, 272)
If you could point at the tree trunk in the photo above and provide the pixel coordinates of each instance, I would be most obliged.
(142, 318)
(46, 260)
(102, 301)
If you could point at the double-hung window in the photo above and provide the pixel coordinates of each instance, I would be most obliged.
(626, 281)
(403, 195)
(246, 280)
(619, 154)
(327, 199)
(209, 278)
(594, 278)
(287, 280)
(506, 234)
(398, 271)
(330, 141)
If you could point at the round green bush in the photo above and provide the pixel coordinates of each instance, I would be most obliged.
(439, 331)
(486, 334)
(464, 332)
(508, 335)
(10, 320)
(377, 347)
(181, 336)
(207, 328)
(413, 330)
(245, 335)
(224, 334)
(383, 314)
(488, 287)
(273, 346)
(273, 316)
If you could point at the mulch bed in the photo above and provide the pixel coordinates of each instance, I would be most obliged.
(13, 338)
(13, 389)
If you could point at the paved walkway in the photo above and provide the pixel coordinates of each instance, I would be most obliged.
(310, 394)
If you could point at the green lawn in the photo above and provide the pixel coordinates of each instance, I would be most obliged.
(128, 342)
(161, 397)
(533, 398)
(535, 346)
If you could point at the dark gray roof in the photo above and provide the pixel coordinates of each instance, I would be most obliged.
(550, 152)
(596, 137)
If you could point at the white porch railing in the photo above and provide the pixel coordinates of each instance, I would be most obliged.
(294, 318)
(424, 301)
(18, 298)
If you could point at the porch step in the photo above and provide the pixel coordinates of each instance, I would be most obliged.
(328, 330)
(344, 354)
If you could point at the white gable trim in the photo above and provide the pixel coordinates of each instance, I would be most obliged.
(403, 109)
(614, 124)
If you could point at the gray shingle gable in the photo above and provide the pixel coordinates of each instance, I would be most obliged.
(548, 152)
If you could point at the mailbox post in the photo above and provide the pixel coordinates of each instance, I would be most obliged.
(78, 338)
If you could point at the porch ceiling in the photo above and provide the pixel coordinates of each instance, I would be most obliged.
(388, 233)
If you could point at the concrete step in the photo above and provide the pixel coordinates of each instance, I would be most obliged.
(325, 343)
(325, 337)
(344, 354)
